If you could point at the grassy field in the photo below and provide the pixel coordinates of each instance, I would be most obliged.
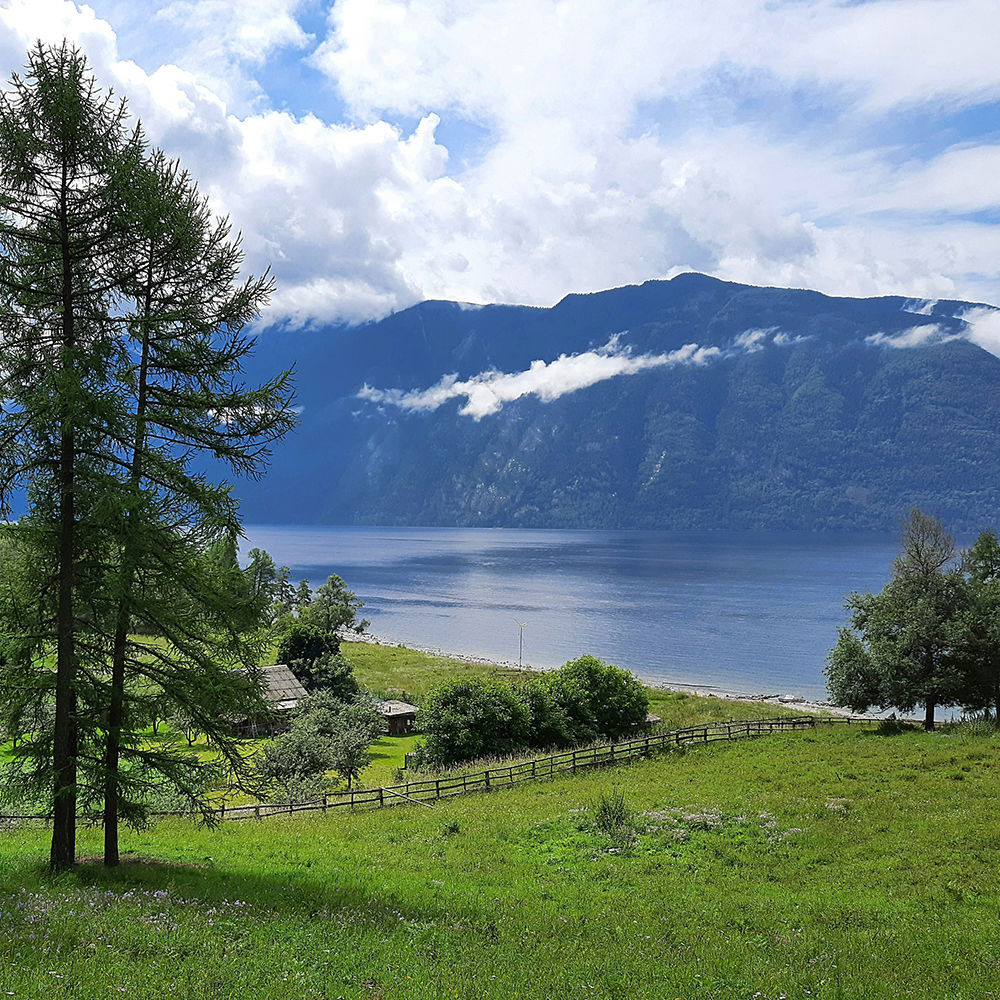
(396, 671)
(832, 863)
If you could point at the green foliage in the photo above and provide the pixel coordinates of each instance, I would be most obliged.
(597, 699)
(122, 308)
(909, 644)
(293, 765)
(334, 608)
(583, 700)
(329, 672)
(476, 717)
(305, 641)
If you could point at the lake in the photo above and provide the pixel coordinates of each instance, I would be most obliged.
(741, 612)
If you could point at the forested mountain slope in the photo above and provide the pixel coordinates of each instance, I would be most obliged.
(693, 403)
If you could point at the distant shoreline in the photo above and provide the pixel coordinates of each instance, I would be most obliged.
(784, 699)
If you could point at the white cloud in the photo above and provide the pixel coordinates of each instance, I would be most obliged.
(914, 336)
(753, 341)
(983, 328)
(595, 168)
(487, 392)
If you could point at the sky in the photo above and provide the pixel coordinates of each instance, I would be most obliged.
(375, 153)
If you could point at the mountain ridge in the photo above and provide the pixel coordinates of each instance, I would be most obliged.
(793, 409)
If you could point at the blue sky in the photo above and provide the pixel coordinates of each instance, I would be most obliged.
(378, 152)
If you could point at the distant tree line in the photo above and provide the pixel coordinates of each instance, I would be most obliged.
(931, 636)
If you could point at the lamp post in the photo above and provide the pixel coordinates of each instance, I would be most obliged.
(520, 643)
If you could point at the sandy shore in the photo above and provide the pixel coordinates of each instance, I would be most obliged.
(783, 699)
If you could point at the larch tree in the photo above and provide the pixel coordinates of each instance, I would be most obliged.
(187, 333)
(66, 156)
(122, 320)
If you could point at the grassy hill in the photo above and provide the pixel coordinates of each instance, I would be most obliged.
(834, 863)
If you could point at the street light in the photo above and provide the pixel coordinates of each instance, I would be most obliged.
(520, 643)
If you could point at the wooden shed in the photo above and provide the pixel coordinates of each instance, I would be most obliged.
(283, 692)
(400, 717)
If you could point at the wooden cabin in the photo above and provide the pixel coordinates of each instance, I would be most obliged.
(400, 717)
(283, 692)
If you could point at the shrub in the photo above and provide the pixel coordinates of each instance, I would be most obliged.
(294, 764)
(302, 641)
(597, 699)
(329, 673)
(477, 717)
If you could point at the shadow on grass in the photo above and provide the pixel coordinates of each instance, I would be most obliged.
(301, 896)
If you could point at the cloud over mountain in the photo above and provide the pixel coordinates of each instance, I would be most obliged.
(378, 152)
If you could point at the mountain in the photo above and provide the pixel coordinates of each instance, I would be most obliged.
(690, 403)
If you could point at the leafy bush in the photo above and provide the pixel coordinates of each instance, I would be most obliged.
(295, 763)
(477, 717)
(303, 641)
(597, 699)
(582, 701)
(329, 673)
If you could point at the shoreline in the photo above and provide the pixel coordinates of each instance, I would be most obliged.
(784, 700)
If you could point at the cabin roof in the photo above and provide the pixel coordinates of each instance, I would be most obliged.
(282, 688)
(394, 707)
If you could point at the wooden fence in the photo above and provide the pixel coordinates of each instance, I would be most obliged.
(426, 791)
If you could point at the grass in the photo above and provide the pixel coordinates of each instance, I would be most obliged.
(832, 863)
(397, 671)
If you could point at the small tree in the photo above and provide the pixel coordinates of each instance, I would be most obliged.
(305, 641)
(597, 699)
(295, 763)
(334, 608)
(907, 645)
(475, 717)
(329, 672)
(351, 752)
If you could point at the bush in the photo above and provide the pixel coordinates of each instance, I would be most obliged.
(295, 763)
(301, 641)
(597, 699)
(330, 674)
(466, 719)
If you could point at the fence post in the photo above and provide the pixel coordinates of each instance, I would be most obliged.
(487, 774)
(381, 797)
(437, 788)
(256, 811)
(324, 803)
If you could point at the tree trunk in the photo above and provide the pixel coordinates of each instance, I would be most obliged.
(929, 714)
(63, 851)
(112, 751)
(64, 736)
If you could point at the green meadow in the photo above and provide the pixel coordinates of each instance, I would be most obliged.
(829, 863)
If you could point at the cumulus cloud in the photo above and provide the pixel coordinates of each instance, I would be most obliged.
(593, 165)
(486, 392)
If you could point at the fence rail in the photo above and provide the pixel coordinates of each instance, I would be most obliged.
(427, 790)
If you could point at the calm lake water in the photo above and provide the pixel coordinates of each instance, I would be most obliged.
(742, 612)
